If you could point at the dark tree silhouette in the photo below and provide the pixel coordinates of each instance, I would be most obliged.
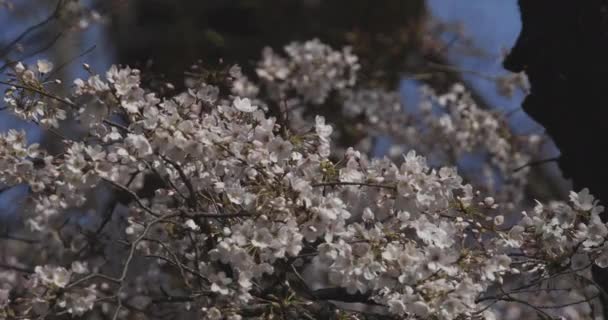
(562, 48)
(174, 34)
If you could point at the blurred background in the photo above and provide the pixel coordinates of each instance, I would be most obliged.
(407, 43)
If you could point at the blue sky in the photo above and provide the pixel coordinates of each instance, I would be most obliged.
(493, 25)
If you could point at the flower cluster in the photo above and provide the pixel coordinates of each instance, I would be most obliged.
(446, 126)
(312, 69)
(464, 127)
(33, 104)
(258, 216)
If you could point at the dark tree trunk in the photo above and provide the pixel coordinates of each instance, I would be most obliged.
(563, 48)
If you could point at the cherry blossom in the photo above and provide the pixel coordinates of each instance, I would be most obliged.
(256, 212)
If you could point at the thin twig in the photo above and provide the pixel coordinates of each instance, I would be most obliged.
(344, 183)
(41, 92)
(63, 65)
(133, 195)
(219, 216)
(15, 268)
(536, 163)
(30, 29)
(192, 199)
(117, 125)
(16, 238)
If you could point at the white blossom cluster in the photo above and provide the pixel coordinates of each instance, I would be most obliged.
(249, 203)
(33, 104)
(445, 127)
(465, 127)
(312, 69)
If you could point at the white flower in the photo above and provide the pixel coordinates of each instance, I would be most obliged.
(323, 130)
(585, 201)
(19, 68)
(279, 149)
(79, 267)
(133, 100)
(79, 303)
(602, 260)
(499, 220)
(432, 234)
(235, 71)
(213, 314)
(29, 77)
(139, 144)
(97, 84)
(44, 66)
(420, 309)
(219, 283)
(244, 105)
(262, 238)
(208, 93)
(439, 259)
(495, 267)
(57, 276)
(396, 306)
(489, 201)
(596, 232)
(192, 225)
(368, 214)
(124, 80)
